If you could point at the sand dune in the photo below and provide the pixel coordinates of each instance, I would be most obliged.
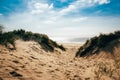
(31, 62)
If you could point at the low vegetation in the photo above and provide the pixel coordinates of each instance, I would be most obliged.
(99, 43)
(11, 36)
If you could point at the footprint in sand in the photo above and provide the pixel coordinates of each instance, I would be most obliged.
(15, 74)
(1, 78)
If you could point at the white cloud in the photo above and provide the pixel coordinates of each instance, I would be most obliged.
(104, 1)
(79, 4)
(39, 8)
(36, 11)
(94, 1)
(51, 6)
(80, 19)
(42, 7)
(70, 8)
(87, 3)
(49, 22)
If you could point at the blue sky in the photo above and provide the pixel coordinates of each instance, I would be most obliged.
(111, 8)
(61, 19)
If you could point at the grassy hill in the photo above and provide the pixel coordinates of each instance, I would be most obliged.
(9, 38)
(103, 42)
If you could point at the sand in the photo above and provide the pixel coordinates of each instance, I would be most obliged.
(31, 62)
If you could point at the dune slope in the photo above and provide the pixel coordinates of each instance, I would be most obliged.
(30, 62)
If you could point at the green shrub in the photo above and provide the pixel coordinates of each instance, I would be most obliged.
(62, 48)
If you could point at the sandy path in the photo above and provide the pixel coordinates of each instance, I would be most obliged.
(31, 62)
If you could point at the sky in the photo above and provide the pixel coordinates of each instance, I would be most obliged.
(62, 20)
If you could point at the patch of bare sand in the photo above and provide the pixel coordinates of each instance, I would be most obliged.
(31, 62)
